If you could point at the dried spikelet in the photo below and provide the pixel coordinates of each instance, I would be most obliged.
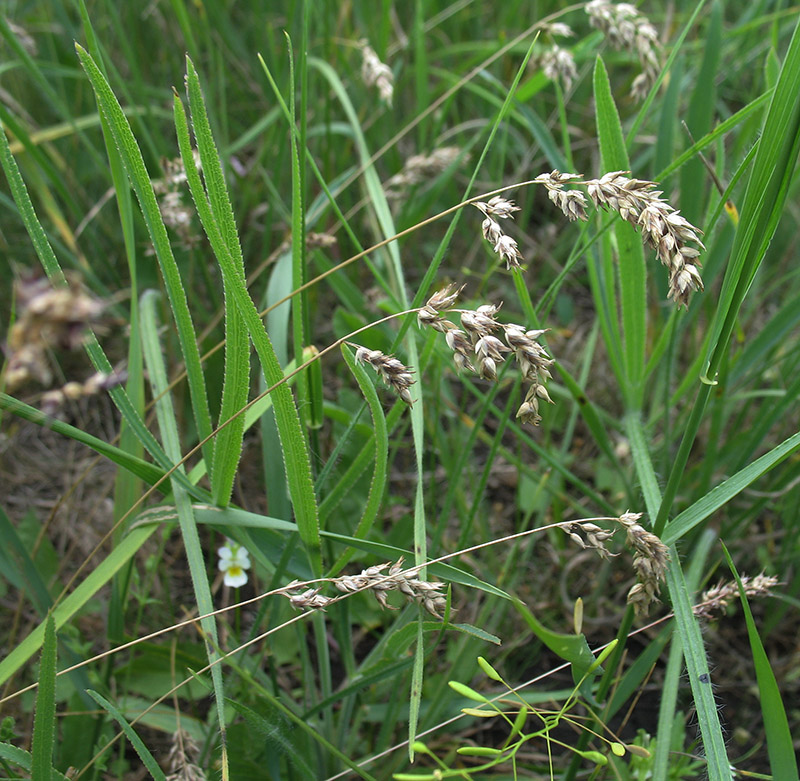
(625, 28)
(421, 168)
(379, 581)
(664, 229)
(649, 561)
(53, 400)
(173, 203)
(589, 536)
(394, 373)
(407, 583)
(571, 202)
(638, 202)
(506, 247)
(319, 240)
(716, 599)
(47, 318)
(557, 30)
(181, 759)
(559, 64)
(376, 73)
(26, 40)
(475, 345)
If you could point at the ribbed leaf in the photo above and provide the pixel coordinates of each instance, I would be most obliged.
(168, 425)
(140, 181)
(782, 756)
(236, 382)
(632, 269)
(138, 745)
(293, 445)
(44, 723)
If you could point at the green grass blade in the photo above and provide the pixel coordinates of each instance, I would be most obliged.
(44, 723)
(687, 623)
(310, 406)
(137, 173)
(136, 466)
(693, 179)
(87, 589)
(127, 487)
(632, 269)
(228, 448)
(674, 667)
(23, 759)
(35, 587)
(780, 747)
(724, 492)
(138, 744)
(293, 444)
(379, 475)
(763, 205)
(168, 426)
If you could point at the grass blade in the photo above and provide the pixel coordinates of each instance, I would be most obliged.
(767, 190)
(632, 269)
(138, 745)
(168, 426)
(294, 450)
(44, 724)
(782, 756)
(137, 173)
(378, 484)
(228, 448)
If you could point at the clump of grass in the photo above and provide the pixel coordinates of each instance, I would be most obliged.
(332, 485)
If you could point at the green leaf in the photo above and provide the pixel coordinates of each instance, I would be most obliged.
(571, 648)
(44, 724)
(632, 269)
(780, 746)
(763, 205)
(725, 491)
(168, 426)
(140, 181)
(293, 444)
(144, 753)
(236, 380)
(23, 759)
(378, 483)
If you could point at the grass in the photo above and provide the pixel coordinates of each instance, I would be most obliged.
(260, 286)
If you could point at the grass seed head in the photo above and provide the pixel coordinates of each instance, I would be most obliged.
(376, 73)
(392, 371)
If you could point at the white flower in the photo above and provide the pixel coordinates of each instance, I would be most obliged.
(233, 561)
